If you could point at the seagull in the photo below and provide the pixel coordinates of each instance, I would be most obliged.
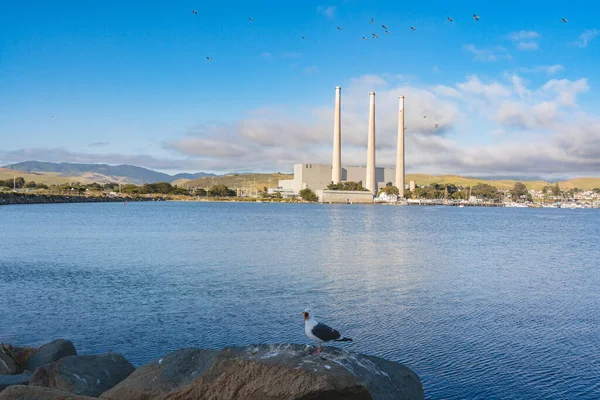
(194, 12)
(319, 332)
(339, 28)
(476, 17)
(384, 27)
(387, 32)
(303, 37)
(412, 28)
(375, 36)
(208, 58)
(449, 19)
(364, 38)
(437, 125)
(250, 19)
(425, 116)
(564, 20)
(372, 20)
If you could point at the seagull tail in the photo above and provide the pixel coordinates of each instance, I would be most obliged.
(346, 339)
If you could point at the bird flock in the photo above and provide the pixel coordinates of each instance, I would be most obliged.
(387, 32)
(372, 21)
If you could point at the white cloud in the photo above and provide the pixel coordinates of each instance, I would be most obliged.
(586, 37)
(491, 54)
(525, 40)
(486, 126)
(266, 54)
(553, 69)
(548, 69)
(329, 11)
(534, 134)
(528, 46)
(521, 35)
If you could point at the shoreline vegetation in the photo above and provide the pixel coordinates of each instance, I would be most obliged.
(18, 191)
(258, 371)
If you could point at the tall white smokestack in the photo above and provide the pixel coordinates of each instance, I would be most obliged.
(336, 164)
(400, 149)
(371, 184)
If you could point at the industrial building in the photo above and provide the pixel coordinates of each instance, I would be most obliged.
(318, 176)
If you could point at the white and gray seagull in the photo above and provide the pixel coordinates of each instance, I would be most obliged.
(319, 332)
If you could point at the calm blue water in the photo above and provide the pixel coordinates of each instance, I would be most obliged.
(481, 303)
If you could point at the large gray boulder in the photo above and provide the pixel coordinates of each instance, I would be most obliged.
(89, 375)
(38, 393)
(270, 372)
(10, 380)
(8, 366)
(167, 374)
(50, 353)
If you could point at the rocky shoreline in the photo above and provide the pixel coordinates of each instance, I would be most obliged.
(24, 198)
(267, 372)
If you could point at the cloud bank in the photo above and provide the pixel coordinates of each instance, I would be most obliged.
(484, 126)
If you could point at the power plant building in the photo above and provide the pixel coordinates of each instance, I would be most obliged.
(319, 176)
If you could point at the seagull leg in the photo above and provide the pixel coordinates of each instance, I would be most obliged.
(317, 351)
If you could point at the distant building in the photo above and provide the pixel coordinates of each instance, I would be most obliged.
(318, 177)
(344, 196)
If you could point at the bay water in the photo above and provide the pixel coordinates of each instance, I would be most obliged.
(485, 303)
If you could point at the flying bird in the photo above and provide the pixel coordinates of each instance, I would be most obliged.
(387, 32)
(319, 332)
(449, 19)
(437, 125)
(372, 20)
(564, 20)
(476, 17)
(375, 36)
(425, 116)
(250, 19)
(384, 27)
(303, 37)
(208, 58)
(339, 28)
(412, 28)
(194, 12)
(364, 38)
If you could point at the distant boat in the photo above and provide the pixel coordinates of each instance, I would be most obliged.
(462, 205)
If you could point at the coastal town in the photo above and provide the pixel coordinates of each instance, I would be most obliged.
(18, 191)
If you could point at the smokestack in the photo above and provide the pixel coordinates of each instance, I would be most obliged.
(336, 164)
(400, 149)
(371, 185)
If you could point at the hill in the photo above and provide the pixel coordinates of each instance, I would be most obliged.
(98, 172)
(423, 179)
(234, 181)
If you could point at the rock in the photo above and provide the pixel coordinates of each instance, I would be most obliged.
(7, 365)
(38, 393)
(169, 373)
(50, 353)
(22, 355)
(9, 380)
(290, 372)
(89, 375)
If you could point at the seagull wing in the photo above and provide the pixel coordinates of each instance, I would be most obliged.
(325, 333)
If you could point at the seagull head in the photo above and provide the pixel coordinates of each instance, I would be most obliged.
(306, 314)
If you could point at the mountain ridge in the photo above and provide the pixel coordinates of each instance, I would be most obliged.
(118, 173)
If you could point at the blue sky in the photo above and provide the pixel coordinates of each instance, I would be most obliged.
(129, 82)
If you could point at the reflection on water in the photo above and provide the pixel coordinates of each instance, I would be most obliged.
(481, 303)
